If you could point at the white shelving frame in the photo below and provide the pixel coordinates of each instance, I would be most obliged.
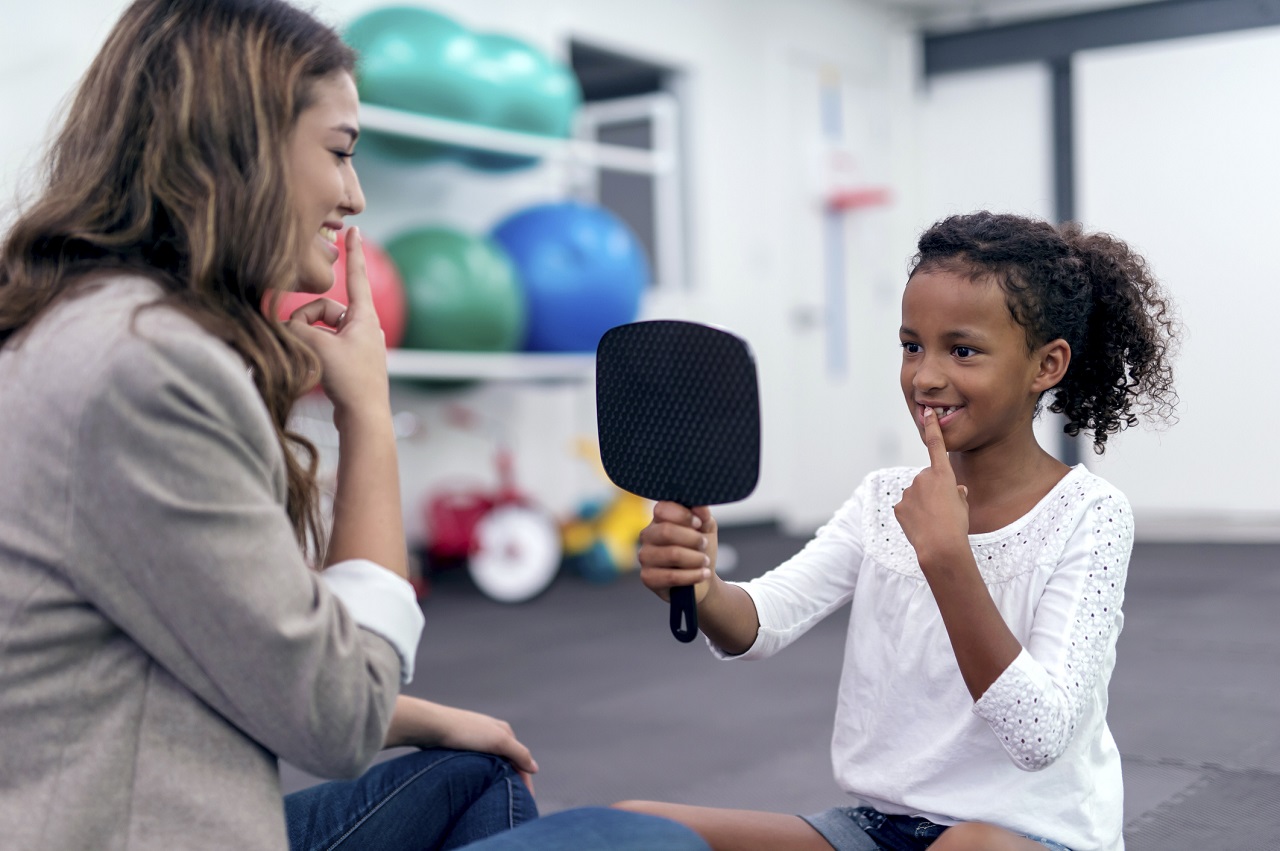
(584, 156)
(578, 151)
(490, 366)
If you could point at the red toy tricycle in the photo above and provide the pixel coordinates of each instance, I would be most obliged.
(511, 546)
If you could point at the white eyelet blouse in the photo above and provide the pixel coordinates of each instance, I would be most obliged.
(1034, 753)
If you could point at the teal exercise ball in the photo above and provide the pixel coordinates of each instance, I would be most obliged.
(418, 61)
(461, 292)
(534, 95)
(582, 270)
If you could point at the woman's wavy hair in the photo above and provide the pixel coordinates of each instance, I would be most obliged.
(171, 164)
(1089, 289)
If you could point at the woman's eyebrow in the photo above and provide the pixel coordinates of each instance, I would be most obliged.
(349, 130)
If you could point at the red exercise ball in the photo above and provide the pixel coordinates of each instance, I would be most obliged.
(384, 283)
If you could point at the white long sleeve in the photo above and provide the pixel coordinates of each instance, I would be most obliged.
(382, 603)
(1036, 705)
(1034, 753)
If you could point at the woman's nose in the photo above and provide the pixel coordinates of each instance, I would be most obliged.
(353, 204)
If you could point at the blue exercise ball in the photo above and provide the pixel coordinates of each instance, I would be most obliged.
(582, 271)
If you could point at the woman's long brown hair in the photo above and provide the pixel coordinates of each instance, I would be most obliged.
(171, 164)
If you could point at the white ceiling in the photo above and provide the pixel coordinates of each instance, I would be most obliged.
(951, 14)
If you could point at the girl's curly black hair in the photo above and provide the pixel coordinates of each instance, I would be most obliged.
(1089, 289)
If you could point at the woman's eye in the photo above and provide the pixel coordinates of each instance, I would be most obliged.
(963, 352)
(344, 155)
(911, 348)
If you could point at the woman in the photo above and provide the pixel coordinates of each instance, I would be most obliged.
(162, 638)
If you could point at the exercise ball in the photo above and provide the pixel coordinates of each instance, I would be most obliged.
(385, 286)
(419, 61)
(533, 94)
(461, 292)
(582, 271)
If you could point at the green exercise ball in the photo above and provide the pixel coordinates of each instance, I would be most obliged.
(419, 61)
(461, 292)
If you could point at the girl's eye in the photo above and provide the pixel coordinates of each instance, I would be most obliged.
(963, 352)
(911, 348)
(344, 155)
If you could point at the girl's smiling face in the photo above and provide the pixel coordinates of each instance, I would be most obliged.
(321, 178)
(965, 356)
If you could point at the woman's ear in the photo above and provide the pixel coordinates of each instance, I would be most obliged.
(1052, 358)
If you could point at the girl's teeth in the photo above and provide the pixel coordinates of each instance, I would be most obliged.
(329, 234)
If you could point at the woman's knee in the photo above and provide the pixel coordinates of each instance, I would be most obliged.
(459, 775)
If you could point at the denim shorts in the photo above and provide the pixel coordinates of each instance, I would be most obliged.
(865, 829)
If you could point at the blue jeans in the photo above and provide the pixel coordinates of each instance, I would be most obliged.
(430, 799)
(442, 799)
(866, 829)
(595, 829)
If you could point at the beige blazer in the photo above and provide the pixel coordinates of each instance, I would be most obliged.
(161, 639)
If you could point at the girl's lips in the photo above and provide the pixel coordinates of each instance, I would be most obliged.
(943, 419)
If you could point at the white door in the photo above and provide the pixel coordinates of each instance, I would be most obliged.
(841, 321)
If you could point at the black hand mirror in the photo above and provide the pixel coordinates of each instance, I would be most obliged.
(678, 416)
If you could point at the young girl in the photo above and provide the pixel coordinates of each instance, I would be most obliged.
(987, 586)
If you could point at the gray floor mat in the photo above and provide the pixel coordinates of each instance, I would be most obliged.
(613, 707)
(1223, 810)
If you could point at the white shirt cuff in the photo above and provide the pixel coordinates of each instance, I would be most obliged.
(382, 603)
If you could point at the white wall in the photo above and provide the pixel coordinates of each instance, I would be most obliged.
(985, 143)
(40, 63)
(1177, 154)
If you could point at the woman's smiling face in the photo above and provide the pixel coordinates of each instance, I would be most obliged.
(321, 177)
(964, 356)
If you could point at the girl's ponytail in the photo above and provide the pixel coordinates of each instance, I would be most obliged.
(1123, 367)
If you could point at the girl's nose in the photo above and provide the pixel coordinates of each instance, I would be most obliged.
(928, 376)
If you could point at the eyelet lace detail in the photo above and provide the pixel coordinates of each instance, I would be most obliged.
(1036, 539)
(1035, 716)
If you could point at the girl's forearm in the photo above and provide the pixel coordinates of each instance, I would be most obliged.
(366, 509)
(728, 617)
(982, 641)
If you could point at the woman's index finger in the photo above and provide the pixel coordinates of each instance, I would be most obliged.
(358, 291)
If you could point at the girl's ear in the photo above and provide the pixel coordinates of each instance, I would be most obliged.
(1053, 358)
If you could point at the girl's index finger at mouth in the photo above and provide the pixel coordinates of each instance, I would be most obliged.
(934, 441)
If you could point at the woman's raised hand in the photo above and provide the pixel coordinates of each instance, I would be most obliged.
(678, 548)
(353, 355)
